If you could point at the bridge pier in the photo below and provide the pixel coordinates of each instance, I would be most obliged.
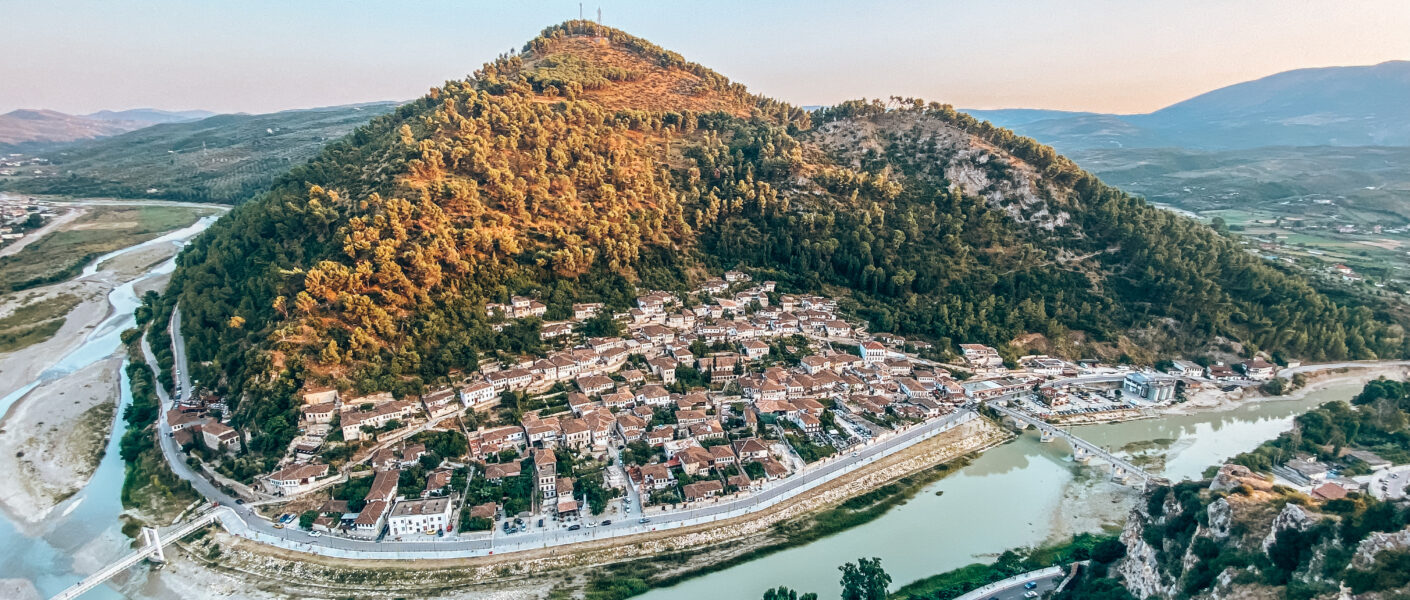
(150, 539)
(1118, 473)
(1080, 454)
(1046, 436)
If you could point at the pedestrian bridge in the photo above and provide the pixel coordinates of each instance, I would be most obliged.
(152, 544)
(1082, 450)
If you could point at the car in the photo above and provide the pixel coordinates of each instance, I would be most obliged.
(643, 520)
(1030, 594)
(314, 534)
(591, 524)
(278, 525)
(574, 527)
(607, 522)
(540, 522)
(1030, 585)
(854, 455)
(239, 500)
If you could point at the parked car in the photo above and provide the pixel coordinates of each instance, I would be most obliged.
(314, 534)
(540, 522)
(1030, 585)
(574, 527)
(644, 520)
(607, 522)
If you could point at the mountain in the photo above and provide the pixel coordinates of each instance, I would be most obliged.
(23, 128)
(1333, 106)
(150, 115)
(593, 163)
(224, 158)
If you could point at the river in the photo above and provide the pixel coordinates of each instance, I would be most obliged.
(84, 531)
(1007, 498)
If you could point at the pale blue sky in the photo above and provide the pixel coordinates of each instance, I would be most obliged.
(266, 55)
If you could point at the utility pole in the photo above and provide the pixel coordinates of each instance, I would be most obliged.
(599, 15)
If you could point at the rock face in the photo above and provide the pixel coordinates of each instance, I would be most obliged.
(1376, 543)
(1221, 518)
(1140, 569)
(1292, 517)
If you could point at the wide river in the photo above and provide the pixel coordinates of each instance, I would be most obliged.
(83, 532)
(1008, 497)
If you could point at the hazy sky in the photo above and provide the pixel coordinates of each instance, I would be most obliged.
(261, 56)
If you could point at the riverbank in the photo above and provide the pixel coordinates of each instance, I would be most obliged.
(1216, 400)
(52, 441)
(634, 564)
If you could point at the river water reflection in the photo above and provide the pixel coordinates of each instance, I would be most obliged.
(1006, 498)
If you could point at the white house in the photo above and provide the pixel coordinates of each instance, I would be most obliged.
(419, 516)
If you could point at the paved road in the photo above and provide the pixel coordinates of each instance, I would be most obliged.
(1017, 591)
(250, 524)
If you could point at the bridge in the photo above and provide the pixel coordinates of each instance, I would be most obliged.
(1082, 450)
(152, 544)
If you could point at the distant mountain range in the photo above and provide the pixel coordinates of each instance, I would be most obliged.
(221, 158)
(1333, 106)
(151, 115)
(29, 129)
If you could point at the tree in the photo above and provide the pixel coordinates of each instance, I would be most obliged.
(307, 518)
(864, 580)
(784, 593)
(1108, 551)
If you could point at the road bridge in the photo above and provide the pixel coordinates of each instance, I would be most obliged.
(152, 544)
(1082, 450)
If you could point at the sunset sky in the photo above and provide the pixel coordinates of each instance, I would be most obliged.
(262, 56)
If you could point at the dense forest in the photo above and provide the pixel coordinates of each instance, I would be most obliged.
(592, 161)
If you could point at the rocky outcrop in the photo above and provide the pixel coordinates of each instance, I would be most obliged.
(1140, 570)
(1376, 543)
(1230, 477)
(1221, 519)
(1292, 517)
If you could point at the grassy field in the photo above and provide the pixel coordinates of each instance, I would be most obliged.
(61, 255)
(34, 322)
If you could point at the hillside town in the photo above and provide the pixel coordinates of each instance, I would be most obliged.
(704, 397)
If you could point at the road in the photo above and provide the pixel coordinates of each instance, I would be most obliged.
(1015, 588)
(242, 520)
(1017, 591)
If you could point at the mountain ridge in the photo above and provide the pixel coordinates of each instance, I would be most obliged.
(1334, 106)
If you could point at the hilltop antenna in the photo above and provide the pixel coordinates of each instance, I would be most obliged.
(580, 11)
(599, 15)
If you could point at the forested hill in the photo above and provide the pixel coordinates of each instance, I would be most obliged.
(593, 161)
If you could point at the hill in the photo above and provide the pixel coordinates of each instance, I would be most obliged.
(370, 266)
(1333, 106)
(22, 129)
(225, 158)
(150, 115)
